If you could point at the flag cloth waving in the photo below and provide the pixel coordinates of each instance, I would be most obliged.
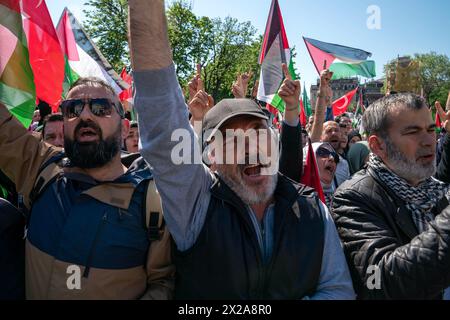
(340, 105)
(83, 58)
(306, 102)
(17, 90)
(274, 52)
(310, 175)
(46, 58)
(343, 61)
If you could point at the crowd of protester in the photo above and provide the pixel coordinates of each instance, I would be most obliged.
(103, 199)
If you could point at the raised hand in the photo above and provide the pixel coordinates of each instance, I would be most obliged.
(290, 90)
(196, 83)
(199, 100)
(239, 87)
(444, 116)
(325, 91)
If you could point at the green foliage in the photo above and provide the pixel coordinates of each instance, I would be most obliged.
(234, 51)
(435, 76)
(224, 48)
(106, 24)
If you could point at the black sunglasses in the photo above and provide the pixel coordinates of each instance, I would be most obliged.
(100, 107)
(325, 153)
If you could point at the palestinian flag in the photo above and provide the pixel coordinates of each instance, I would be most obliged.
(340, 105)
(17, 89)
(274, 52)
(343, 61)
(82, 57)
(306, 102)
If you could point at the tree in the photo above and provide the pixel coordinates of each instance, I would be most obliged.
(434, 76)
(190, 37)
(224, 48)
(106, 24)
(235, 50)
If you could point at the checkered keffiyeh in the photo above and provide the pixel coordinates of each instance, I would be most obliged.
(419, 200)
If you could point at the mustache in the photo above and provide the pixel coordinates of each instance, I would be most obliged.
(249, 160)
(87, 124)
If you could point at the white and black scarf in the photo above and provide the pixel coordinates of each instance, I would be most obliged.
(419, 200)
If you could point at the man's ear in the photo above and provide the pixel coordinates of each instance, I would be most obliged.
(378, 146)
(125, 128)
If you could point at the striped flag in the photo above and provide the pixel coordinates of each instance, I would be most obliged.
(274, 52)
(82, 57)
(17, 89)
(343, 61)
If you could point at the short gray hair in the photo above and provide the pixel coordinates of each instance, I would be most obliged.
(376, 119)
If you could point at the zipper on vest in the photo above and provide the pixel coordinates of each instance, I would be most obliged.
(261, 269)
(94, 244)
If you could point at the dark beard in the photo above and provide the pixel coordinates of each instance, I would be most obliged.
(90, 155)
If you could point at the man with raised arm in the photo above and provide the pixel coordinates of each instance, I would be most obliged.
(241, 231)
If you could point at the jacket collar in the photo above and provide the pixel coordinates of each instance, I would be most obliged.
(402, 216)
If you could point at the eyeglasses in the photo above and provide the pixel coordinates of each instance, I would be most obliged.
(325, 153)
(100, 107)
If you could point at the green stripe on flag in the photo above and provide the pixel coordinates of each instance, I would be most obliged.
(20, 103)
(346, 70)
(17, 90)
(70, 77)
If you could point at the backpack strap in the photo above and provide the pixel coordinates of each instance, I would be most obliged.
(154, 220)
(48, 173)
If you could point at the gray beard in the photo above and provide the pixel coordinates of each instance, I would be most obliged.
(406, 168)
(246, 193)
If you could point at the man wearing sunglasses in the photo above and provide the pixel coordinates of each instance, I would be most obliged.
(87, 235)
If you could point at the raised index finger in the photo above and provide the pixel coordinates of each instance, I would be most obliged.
(286, 73)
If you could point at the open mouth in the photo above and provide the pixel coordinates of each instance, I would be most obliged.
(330, 169)
(87, 133)
(254, 170)
(427, 157)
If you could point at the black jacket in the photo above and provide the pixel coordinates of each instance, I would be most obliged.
(291, 157)
(377, 230)
(226, 261)
(443, 169)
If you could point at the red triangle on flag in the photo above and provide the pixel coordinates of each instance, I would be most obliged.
(310, 175)
(272, 109)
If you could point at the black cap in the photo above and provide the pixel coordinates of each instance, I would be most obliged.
(227, 109)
